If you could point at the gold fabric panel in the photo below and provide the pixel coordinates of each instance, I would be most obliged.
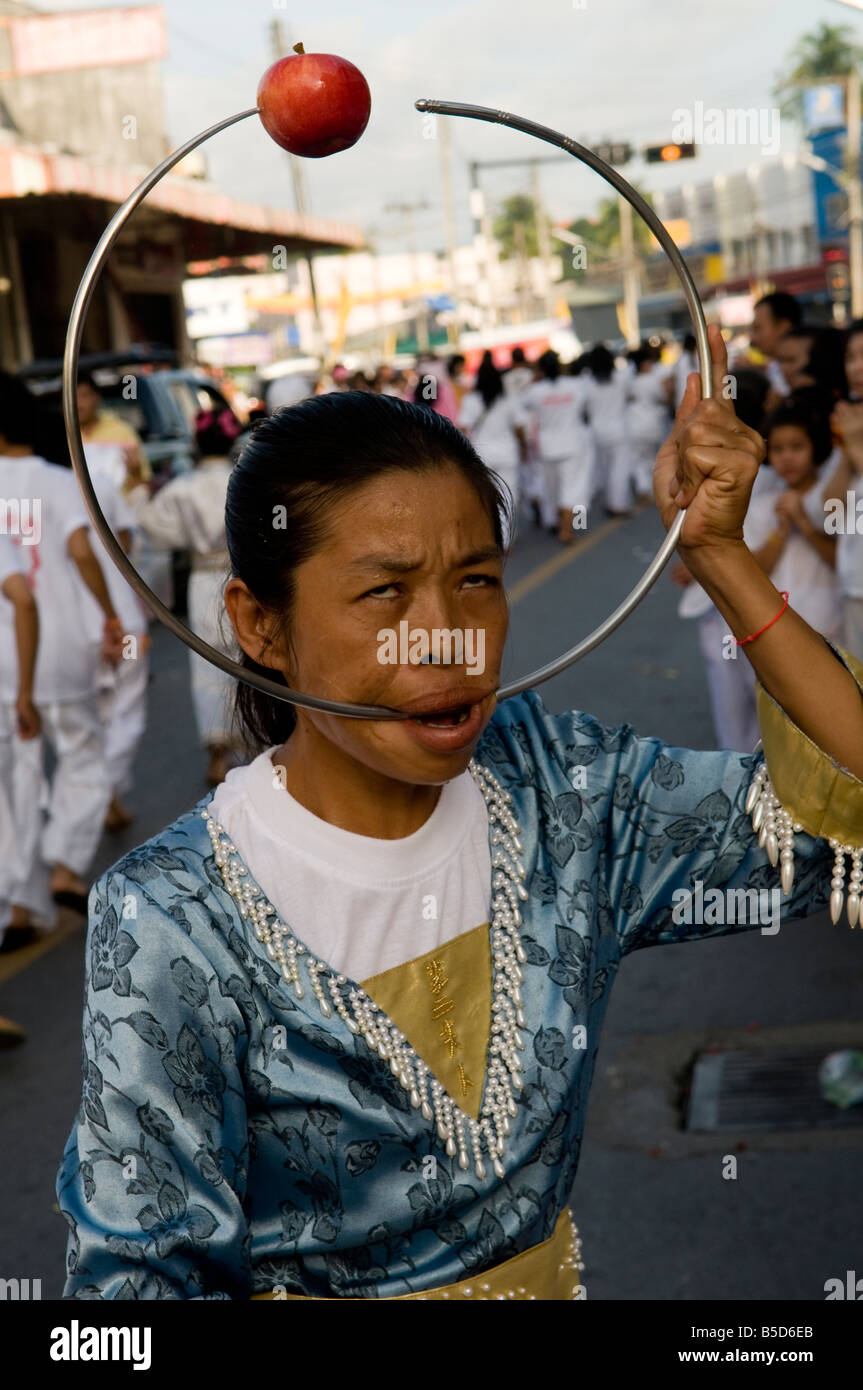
(823, 797)
(441, 1001)
(547, 1271)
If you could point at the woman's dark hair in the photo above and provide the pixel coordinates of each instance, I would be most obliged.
(549, 364)
(489, 381)
(215, 432)
(808, 409)
(601, 362)
(827, 360)
(296, 465)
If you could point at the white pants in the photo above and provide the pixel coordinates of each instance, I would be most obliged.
(123, 713)
(77, 801)
(568, 483)
(211, 688)
(614, 469)
(731, 681)
(644, 453)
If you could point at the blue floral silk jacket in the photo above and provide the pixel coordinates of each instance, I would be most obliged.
(205, 1163)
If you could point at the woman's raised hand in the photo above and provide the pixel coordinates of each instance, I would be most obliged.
(708, 463)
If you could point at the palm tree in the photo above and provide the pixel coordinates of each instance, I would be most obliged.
(828, 52)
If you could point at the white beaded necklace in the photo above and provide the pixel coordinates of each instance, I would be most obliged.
(363, 1016)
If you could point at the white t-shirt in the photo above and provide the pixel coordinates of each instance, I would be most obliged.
(553, 411)
(686, 363)
(491, 430)
(810, 582)
(647, 414)
(517, 379)
(189, 511)
(361, 904)
(606, 405)
(65, 665)
(773, 372)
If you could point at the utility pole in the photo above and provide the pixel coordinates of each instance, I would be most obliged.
(279, 44)
(449, 220)
(407, 211)
(543, 241)
(630, 274)
(855, 193)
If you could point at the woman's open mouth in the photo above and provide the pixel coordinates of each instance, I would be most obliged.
(445, 719)
(450, 727)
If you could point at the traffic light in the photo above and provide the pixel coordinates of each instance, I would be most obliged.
(619, 153)
(668, 154)
(836, 275)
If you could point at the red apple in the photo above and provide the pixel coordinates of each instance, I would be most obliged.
(314, 104)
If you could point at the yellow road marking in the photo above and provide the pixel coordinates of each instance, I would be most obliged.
(567, 555)
(13, 964)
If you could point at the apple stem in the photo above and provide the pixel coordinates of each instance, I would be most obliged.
(298, 48)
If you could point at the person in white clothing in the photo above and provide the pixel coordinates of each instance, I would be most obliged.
(647, 417)
(843, 496)
(122, 685)
(15, 590)
(519, 374)
(489, 417)
(606, 390)
(189, 513)
(785, 530)
(773, 316)
(687, 362)
(46, 520)
(552, 420)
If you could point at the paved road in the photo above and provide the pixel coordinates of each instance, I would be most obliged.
(656, 1216)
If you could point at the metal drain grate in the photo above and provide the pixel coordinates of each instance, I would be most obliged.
(763, 1090)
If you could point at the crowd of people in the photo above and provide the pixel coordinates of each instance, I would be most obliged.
(563, 437)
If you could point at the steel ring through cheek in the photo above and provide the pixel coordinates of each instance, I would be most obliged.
(72, 353)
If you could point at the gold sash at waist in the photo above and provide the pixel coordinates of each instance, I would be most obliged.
(550, 1270)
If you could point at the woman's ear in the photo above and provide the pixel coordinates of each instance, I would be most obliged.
(251, 623)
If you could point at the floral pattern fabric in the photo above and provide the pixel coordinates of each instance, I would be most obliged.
(231, 1138)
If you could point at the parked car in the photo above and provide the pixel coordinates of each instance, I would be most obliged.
(146, 388)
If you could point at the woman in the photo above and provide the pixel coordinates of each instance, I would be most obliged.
(606, 408)
(312, 1070)
(551, 423)
(647, 415)
(189, 513)
(489, 418)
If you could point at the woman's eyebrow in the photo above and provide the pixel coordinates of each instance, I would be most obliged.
(397, 566)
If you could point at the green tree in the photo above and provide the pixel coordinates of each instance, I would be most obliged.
(518, 208)
(830, 51)
(601, 236)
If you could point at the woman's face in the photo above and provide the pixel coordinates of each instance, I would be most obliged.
(789, 452)
(854, 364)
(406, 555)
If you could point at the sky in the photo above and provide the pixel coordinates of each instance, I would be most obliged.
(593, 69)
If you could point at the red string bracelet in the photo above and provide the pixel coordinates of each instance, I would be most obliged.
(741, 641)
